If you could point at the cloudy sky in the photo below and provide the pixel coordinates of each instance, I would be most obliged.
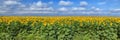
(60, 7)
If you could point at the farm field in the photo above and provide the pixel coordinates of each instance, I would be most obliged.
(59, 28)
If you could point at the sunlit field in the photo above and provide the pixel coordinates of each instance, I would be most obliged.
(59, 28)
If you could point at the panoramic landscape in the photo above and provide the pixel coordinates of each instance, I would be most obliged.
(59, 20)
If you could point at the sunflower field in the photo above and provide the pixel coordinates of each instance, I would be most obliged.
(59, 28)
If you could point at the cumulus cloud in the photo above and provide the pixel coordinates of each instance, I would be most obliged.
(11, 2)
(45, 8)
(34, 12)
(83, 3)
(2, 11)
(39, 4)
(96, 8)
(37, 7)
(10, 6)
(62, 9)
(65, 3)
(115, 10)
(13, 6)
(78, 8)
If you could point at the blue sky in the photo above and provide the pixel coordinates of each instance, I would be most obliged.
(60, 7)
(104, 4)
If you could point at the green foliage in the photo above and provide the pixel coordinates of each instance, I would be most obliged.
(73, 31)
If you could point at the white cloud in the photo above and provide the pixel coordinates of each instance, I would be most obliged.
(39, 4)
(65, 3)
(13, 3)
(62, 9)
(115, 10)
(83, 3)
(10, 2)
(34, 12)
(38, 7)
(93, 7)
(2, 11)
(96, 9)
(78, 8)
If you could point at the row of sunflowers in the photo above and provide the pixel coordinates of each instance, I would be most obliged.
(59, 28)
